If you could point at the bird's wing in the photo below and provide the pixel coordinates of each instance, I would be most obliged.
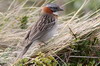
(44, 24)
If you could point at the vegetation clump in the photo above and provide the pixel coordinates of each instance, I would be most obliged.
(40, 60)
(23, 22)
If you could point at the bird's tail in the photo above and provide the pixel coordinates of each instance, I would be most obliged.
(25, 50)
(22, 53)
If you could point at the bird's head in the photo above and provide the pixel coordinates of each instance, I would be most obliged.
(52, 9)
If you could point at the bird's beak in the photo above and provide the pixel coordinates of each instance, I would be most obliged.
(60, 9)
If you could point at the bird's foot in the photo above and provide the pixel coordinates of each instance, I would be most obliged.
(42, 44)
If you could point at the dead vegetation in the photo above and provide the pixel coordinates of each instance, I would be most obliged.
(77, 37)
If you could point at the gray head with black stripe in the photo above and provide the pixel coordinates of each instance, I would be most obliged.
(54, 7)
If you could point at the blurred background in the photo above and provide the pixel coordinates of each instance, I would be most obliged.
(68, 5)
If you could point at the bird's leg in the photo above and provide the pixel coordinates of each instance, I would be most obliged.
(42, 44)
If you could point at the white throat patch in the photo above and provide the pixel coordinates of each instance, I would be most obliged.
(56, 13)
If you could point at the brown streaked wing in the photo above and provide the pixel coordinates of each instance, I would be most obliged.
(44, 24)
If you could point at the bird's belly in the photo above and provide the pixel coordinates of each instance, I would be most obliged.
(49, 34)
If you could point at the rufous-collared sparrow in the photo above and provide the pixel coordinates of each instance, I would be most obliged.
(44, 28)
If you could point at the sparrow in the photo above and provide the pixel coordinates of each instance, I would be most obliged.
(44, 28)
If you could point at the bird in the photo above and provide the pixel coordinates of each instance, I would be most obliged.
(44, 28)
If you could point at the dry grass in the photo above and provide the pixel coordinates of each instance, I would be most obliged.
(11, 35)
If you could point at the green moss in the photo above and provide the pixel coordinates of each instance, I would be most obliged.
(23, 22)
(40, 60)
(83, 50)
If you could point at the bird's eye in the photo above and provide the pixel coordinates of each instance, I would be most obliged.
(55, 8)
(51, 7)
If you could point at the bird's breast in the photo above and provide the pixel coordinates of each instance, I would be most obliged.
(50, 33)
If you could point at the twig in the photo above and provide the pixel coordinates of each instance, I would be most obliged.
(85, 57)
(67, 3)
(72, 32)
(59, 58)
(68, 56)
(11, 5)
